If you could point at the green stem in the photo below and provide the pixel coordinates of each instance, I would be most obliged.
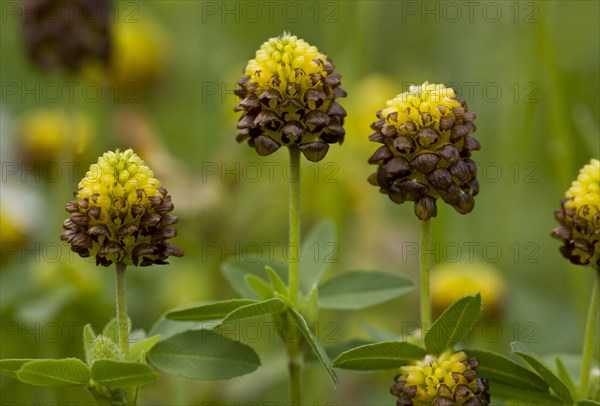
(294, 352)
(590, 333)
(294, 218)
(122, 310)
(101, 400)
(425, 296)
(295, 371)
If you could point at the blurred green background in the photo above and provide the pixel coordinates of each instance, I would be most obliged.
(529, 69)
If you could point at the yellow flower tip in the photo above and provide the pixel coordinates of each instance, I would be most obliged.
(117, 175)
(286, 63)
(585, 191)
(410, 106)
(427, 145)
(288, 98)
(121, 214)
(450, 378)
(579, 218)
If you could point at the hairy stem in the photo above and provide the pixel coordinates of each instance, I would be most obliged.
(295, 371)
(425, 296)
(294, 219)
(122, 310)
(293, 348)
(590, 333)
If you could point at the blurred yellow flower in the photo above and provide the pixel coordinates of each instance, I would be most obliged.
(12, 235)
(368, 95)
(450, 282)
(45, 133)
(53, 275)
(139, 56)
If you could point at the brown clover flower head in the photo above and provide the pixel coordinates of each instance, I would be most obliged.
(427, 144)
(66, 32)
(288, 97)
(121, 214)
(448, 380)
(579, 218)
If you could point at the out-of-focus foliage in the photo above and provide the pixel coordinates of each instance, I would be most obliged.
(529, 69)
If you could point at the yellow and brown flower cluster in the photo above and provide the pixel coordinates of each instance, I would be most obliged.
(121, 214)
(579, 218)
(426, 137)
(289, 94)
(450, 379)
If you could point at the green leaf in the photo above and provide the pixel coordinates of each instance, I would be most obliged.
(10, 367)
(313, 343)
(318, 250)
(502, 391)
(309, 305)
(137, 335)
(119, 374)
(564, 376)
(497, 368)
(555, 383)
(378, 356)
(377, 334)
(203, 355)
(47, 305)
(235, 273)
(277, 282)
(254, 310)
(355, 290)
(208, 311)
(259, 286)
(571, 363)
(138, 350)
(335, 350)
(111, 329)
(587, 402)
(55, 372)
(453, 324)
(88, 339)
(167, 328)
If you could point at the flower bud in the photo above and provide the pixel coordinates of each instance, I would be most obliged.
(103, 348)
